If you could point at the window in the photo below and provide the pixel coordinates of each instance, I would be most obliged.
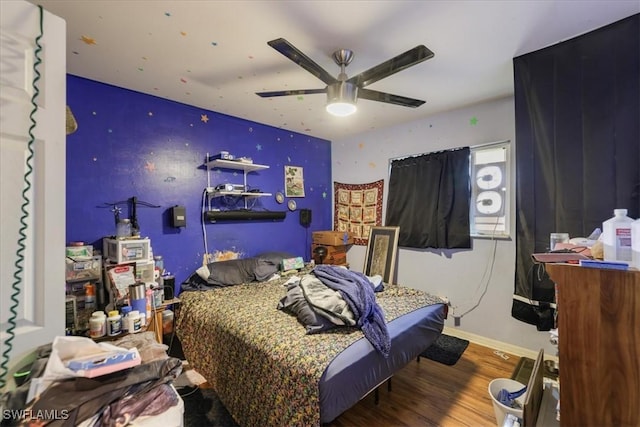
(429, 197)
(490, 184)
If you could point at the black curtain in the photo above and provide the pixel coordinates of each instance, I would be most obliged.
(577, 107)
(429, 200)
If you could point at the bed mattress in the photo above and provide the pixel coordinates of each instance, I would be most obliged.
(267, 371)
(359, 368)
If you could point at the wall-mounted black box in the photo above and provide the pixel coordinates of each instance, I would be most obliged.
(178, 216)
(169, 284)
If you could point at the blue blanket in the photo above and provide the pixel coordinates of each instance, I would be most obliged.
(357, 291)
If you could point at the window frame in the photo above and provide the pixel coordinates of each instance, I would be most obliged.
(505, 232)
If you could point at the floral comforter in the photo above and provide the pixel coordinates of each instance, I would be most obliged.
(262, 364)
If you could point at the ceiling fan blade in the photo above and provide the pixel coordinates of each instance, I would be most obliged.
(290, 51)
(291, 92)
(398, 63)
(374, 95)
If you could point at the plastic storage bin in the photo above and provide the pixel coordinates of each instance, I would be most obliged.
(127, 250)
(144, 271)
(86, 269)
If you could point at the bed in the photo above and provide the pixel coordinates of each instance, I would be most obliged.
(266, 368)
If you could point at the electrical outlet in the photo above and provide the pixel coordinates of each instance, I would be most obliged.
(456, 321)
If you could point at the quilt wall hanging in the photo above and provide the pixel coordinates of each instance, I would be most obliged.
(358, 207)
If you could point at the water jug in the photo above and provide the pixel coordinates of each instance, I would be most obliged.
(616, 237)
(635, 244)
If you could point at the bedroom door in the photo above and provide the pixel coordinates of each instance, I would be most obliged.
(32, 236)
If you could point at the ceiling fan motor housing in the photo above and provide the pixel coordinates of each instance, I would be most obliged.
(342, 92)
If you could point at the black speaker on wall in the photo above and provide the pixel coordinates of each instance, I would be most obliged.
(178, 216)
(169, 284)
(305, 217)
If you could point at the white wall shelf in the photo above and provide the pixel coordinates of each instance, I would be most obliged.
(245, 167)
(232, 164)
(213, 193)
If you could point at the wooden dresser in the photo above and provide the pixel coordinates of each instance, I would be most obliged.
(598, 321)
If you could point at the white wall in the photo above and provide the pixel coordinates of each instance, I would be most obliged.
(457, 275)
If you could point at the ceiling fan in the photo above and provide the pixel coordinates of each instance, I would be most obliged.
(343, 92)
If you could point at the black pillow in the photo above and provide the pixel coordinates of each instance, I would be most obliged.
(232, 272)
(264, 270)
(275, 257)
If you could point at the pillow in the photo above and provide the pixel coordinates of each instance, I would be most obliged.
(264, 269)
(274, 257)
(232, 272)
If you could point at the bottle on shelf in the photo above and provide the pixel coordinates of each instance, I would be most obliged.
(98, 324)
(114, 323)
(123, 229)
(635, 244)
(159, 263)
(124, 312)
(134, 322)
(89, 296)
(149, 295)
(616, 235)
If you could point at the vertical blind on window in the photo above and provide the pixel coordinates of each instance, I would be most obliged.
(429, 199)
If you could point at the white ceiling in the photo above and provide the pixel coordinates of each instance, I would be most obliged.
(214, 54)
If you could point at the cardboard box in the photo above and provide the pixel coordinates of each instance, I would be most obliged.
(336, 255)
(332, 238)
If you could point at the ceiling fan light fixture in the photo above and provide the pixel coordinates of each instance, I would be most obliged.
(341, 109)
(341, 99)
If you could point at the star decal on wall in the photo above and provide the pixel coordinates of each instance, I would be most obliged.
(473, 121)
(88, 40)
(150, 167)
(259, 147)
(204, 118)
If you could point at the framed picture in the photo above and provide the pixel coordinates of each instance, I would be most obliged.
(381, 252)
(293, 181)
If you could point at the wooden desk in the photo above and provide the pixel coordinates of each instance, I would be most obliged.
(155, 323)
(598, 345)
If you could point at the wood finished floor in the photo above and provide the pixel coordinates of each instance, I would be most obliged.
(432, 394)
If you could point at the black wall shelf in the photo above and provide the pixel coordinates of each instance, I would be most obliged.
(213, 216)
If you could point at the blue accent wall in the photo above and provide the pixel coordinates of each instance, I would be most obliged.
(130, 144)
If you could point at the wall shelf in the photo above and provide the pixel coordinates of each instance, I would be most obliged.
(232, 164)
(214, 193)
(245, 167)
(232, 215)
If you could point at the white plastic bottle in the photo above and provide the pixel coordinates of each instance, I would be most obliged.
(616, 237)
(97, 324)
(134, 322)
(635, 244)
(114, 323)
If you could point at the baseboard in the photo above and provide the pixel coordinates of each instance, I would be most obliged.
(495, 344)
